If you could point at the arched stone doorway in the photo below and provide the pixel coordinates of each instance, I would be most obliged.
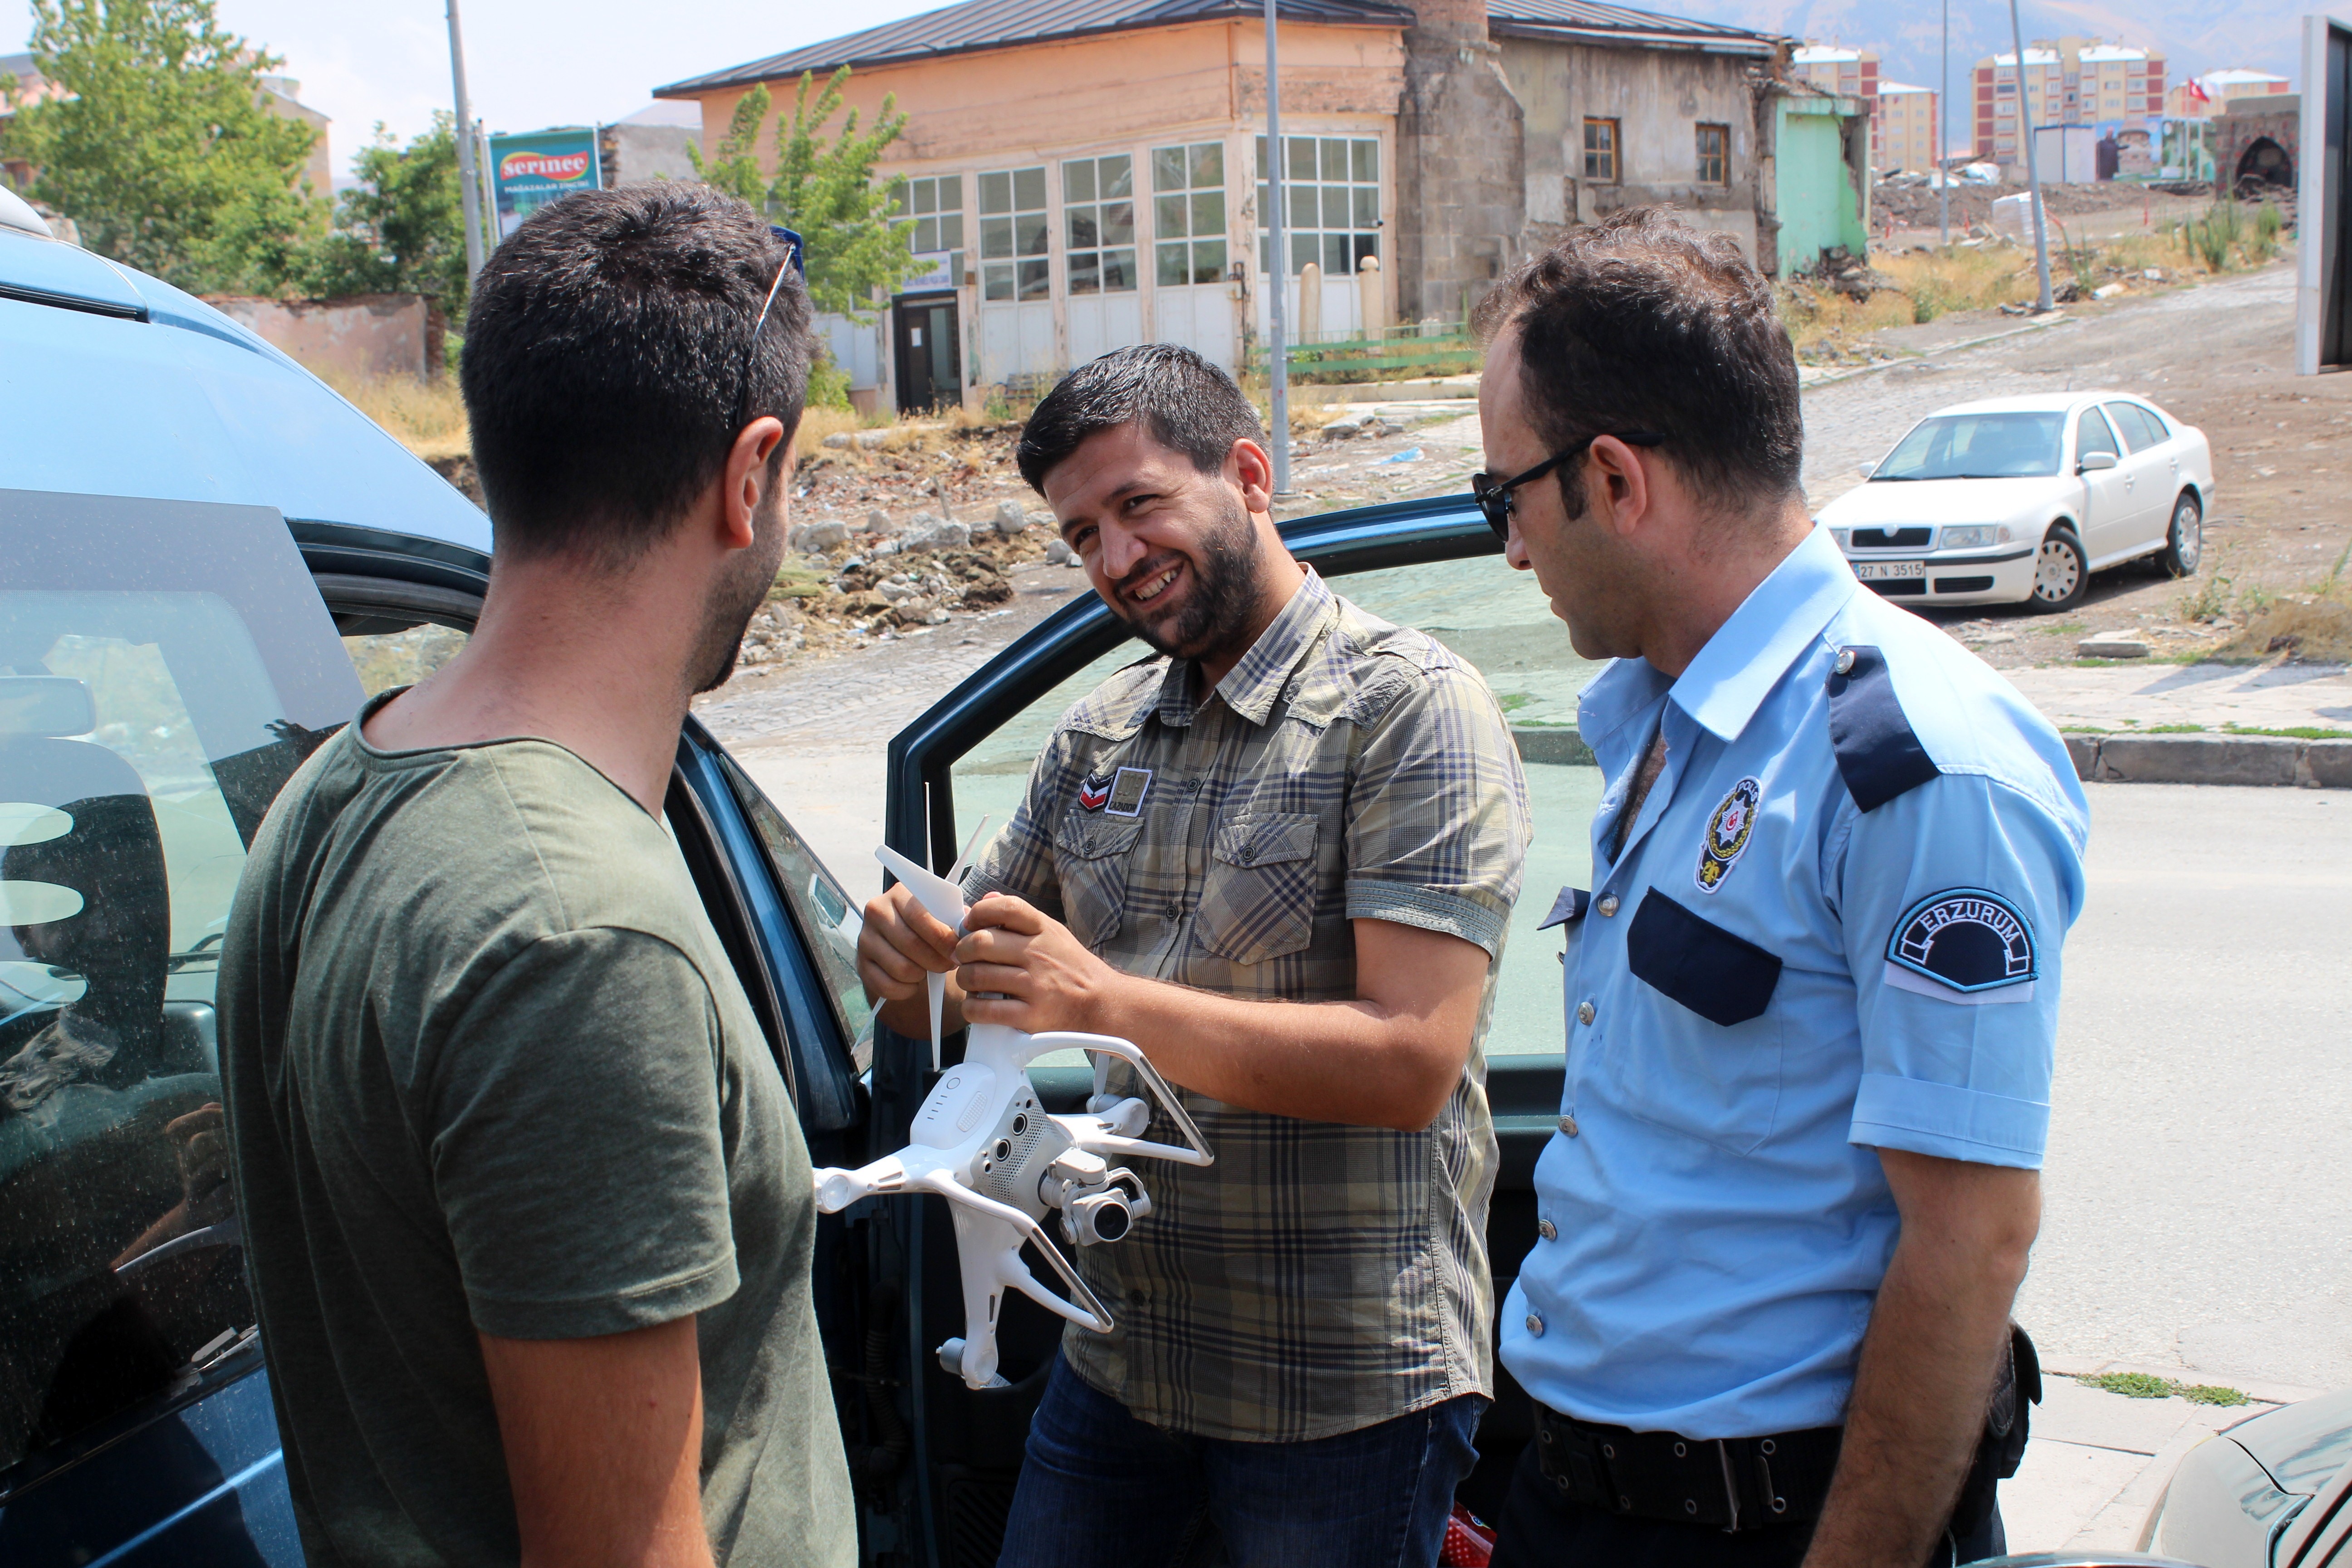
(2263, 167)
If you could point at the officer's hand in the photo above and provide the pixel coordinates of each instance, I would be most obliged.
(1036, 975)
(900, 943)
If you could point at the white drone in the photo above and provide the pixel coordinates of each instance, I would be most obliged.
(983, 1142)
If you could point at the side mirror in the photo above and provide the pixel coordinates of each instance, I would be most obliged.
(1865, 469)
(2092, 462)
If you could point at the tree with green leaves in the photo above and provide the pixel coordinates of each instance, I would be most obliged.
(402, 230)
(161, 152)
(822, 189)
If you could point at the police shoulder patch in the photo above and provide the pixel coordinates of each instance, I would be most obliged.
(1727, 834)
(1963, 944)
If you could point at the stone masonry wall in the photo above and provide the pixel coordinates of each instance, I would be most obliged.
(1461, 161)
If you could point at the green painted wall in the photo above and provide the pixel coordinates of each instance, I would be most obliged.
(1814, 194)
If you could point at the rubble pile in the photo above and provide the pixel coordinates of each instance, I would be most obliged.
(847, 583)
(1912, 203)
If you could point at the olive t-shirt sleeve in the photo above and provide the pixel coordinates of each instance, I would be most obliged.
(575, 1142)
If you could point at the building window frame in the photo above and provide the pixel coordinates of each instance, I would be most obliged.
(1342, 171)
(1601, 142)
(1189, 221)
(1712, 143)
(1098, 224)
(1015, 236)
(932, 206)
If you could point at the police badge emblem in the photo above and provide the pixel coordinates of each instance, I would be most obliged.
(1727, 834)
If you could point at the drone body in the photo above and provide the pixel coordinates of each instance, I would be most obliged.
(983, 1142)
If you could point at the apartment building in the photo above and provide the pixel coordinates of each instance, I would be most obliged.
(1904, 128)
(2201, 97)
(2069, 82)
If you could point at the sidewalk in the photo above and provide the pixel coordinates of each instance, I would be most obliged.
(2097, 1462)
(2118, 698)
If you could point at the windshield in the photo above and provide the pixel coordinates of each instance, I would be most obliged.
(1976, 446)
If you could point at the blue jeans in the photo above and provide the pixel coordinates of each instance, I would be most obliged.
(1102, 1490)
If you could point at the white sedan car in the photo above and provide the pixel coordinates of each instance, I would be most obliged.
(2021, 498)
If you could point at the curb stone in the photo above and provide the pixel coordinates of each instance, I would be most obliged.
(2268, 760)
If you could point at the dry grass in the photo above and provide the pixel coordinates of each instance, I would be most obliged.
(426, 415)
(2316, 628)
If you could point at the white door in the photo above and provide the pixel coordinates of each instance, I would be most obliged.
(2108, 507)
(1198, 315)
(2150, 465)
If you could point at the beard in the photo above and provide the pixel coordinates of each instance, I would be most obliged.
(736, 597)
(1224, 592)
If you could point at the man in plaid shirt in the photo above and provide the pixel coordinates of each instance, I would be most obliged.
(1280, 857)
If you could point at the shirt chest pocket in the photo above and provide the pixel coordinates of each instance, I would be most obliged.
(1091, 855)
(1698, 1049)
(1258, 902)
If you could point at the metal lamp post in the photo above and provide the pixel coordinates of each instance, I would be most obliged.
(1944, 135)
(469, 176)
(1277, 278)
(2032, 169)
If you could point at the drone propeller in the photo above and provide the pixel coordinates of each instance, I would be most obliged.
(942, 897)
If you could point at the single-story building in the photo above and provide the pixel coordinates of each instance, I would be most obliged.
(1086, 174)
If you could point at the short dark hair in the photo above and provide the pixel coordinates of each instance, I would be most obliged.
(608, 363)
(1641, 322)
(1187, 405)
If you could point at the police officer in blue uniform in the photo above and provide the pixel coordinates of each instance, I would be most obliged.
(1812, 990)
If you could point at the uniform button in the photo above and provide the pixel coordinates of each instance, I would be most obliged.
(1845, 661)
(1535, 1325)
(1608, 905)
(1568, 1126)
(1548, 1230)
(1584, 1011)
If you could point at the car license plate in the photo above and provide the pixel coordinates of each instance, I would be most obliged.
(1884, 570)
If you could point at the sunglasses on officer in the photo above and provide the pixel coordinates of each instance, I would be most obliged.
(1495, 497)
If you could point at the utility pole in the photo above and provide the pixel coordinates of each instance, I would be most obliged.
(1278, 279)
(2032, 167)
(469, 176)
(1943, 135)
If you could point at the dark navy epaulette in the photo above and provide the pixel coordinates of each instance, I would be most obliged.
(1878, 752)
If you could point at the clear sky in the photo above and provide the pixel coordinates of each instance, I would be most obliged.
(528, 63)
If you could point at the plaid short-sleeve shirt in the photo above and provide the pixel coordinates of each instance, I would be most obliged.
(1318, 1277)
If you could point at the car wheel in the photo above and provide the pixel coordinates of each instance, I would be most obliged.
(2184, 542)
(2060, 571)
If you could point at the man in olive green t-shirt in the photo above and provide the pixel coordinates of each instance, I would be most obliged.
(527, 1213)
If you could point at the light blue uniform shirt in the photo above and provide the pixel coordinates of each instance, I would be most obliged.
(1833, 929)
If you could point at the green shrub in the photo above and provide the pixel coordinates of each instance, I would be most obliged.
(828, 383)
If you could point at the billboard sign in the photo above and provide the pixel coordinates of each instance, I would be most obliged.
(540, 167)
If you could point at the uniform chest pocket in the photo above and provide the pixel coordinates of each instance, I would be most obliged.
(1258, 902)
(1707, 1060)
(1091, 855)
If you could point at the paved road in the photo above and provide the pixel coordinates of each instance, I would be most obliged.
(2199, 1182)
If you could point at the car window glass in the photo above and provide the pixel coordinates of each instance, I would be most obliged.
(2092, 435)
(1495, 620)
(143, 729)
(402, 657)
(2137, 430)
(827, 915)
(1993, 445)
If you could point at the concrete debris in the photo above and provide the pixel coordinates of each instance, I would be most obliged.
(2111, 648)
(1010, 517)
(816, 538)
(936, 535)
(1058, 552)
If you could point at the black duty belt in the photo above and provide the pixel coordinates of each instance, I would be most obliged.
(1728, 1483)
(1752, 1483)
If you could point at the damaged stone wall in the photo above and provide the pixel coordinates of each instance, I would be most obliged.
(1658, 99)
(1460, 164)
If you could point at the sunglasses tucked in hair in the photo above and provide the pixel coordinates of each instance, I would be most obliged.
(1642, 322)
(616, 345)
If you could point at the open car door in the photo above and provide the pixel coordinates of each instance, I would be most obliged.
(940, 1461)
